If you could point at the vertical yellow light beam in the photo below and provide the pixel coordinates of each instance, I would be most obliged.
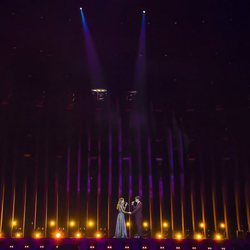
(35, 184)
(78, 198)
(13, 209)
(68, 189)
(202, 195)
(192, 206)
(214, 207)
(2, 207)
(57, 203)
(160, 202)
(98, 186)
(88, 177)
(224, 195)
(247, 198)
(24, 206)
(46, 187)
(171, 163)
(236, 196)
(35, 211)
(213, 187)
(203, 213)
(182, 181)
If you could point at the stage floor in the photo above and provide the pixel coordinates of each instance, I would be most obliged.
(120, 244)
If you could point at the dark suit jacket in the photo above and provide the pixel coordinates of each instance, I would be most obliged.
(137, 211)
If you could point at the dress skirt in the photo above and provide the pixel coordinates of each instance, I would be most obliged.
(120, 230)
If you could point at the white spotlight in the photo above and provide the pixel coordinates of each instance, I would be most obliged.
(144, 11)
(80, 8)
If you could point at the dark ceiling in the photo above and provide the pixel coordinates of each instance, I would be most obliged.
(196, 50)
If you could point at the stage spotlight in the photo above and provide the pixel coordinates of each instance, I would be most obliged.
(37, 235)
(99, 90)
(100, 94)
(222, 225)
(198, 236)
(91, 223)
(145, 224)
(202, 225)
(159, 236)
(165, 224)
(218, 237)
(98, 235)
(178, 236)
(144, 11)
(128, 224)
(1, 235)
(52, 223)
(14, 223)
(78, 235)
(80, 8)
(72, 223)
(58, 235)
(18, 235)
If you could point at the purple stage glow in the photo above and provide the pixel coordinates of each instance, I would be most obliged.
(150, 180)
(120, 244)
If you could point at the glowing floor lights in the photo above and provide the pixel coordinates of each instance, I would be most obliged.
(76, 232)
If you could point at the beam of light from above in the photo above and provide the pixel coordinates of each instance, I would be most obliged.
(92, 57)
(141, 57)
(140, 74)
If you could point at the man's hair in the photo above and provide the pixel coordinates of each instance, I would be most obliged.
(138, 198)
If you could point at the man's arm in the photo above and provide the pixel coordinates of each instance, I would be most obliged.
(137, 208)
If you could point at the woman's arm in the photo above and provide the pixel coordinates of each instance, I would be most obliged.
(123, 210)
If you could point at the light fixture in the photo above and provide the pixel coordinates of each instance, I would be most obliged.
(159, 236)
(37, 235)
(165, 224)
(202, 225)
(198, 236)
(58, 235)
(178, 236)
(72, 223)
(14, 223)
(222, 225)
(98, 235)
(218, 237)
(52, 223)
(18, 235)
(90, 223)
(78, 235)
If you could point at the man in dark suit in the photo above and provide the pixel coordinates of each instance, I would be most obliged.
(137, 212)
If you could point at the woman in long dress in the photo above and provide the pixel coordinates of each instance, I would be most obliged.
(121, 230)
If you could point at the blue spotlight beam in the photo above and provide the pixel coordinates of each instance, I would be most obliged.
(140, 73)
(92, 57)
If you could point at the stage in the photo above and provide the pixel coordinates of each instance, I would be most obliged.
(120, 244)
